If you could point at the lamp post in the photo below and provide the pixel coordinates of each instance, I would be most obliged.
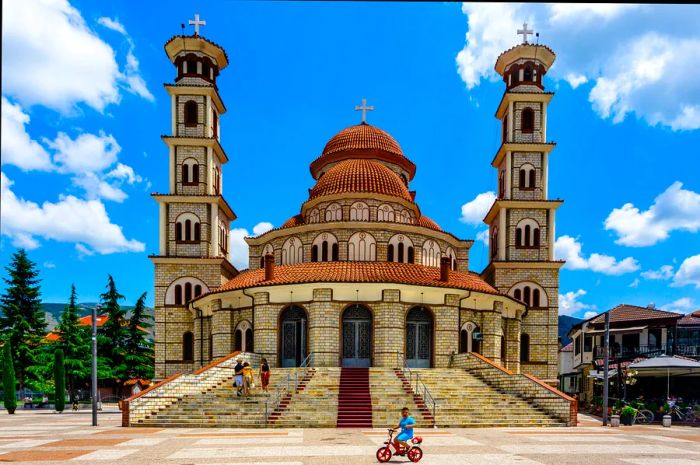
(606, 365)
(94, 363)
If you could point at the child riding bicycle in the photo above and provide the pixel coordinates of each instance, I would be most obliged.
(406, 424)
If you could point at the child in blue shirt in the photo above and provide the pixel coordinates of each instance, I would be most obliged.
(406, 424)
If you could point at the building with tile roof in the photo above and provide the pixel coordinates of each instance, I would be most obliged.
(359, 276)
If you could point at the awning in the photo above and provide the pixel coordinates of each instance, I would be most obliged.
(666, 366)
(632, 330)
(598, 374)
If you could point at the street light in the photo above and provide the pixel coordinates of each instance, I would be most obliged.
(94, 363)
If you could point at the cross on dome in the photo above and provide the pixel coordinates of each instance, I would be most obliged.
(364, 108)
(525, 32)
(196, 23)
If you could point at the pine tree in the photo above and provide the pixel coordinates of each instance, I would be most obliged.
(139, 349)
(113, 333)
(8, 379)
(75, 343)
(22, 318)
(59, 381)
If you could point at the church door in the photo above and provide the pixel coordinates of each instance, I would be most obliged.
(419, 338)
(357, 337)
(293, 332)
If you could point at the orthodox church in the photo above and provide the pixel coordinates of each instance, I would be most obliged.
(359, 275)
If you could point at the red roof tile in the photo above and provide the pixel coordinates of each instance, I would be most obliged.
(364, 176)
(428, 223)
(567, 348)
(296, 220)
(631, 313)
(357, 272)
(691, 319)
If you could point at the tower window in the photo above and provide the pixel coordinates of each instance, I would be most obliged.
(188, 230)
(535, 297)
(191, 118)
(526, 295)
(527, 76)
(524, 347)
(314, 254)
(178, 294)
(215, 125)
(518, 237)
(501, 184)
(526, 177)
(191, 67)
(527, 120)
(411, 257)
(335, 252)
(185, 174)
(527, 234)
(188, 292)
(178, 231)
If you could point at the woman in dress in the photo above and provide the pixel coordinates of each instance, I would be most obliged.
(264, 374)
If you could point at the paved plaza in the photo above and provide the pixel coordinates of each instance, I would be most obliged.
(46, 437)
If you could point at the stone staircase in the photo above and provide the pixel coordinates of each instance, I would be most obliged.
(390, 393)
(354, 399)
(314, 407)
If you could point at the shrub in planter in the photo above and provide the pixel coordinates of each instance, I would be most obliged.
(627, 416)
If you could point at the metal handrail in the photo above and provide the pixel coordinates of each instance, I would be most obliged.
(292, 386)
(420, 385)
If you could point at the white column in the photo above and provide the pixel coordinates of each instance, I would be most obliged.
(502, 232)
(509, 174)
(210, 169)
(163, 237)
(552, 233)
(172, 170)
(543, 123)
(511, 123)
(545, 175)
(208, 131)
(173, 103)
(214, 230)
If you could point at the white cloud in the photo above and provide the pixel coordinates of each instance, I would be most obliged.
(688, 273)
(663, 273)
(569, 303)
(682, 305)
(96, 188)
(262, 228)
(49, 265)
(634, 283)
(17, 147)
(473, 212)
(68, 220)
(569, 248)
(85, 153)
(673, 209)
(239, 248)
(112, 24)
(589, 315)
(483, 236)
(646, 73)
(125, 173)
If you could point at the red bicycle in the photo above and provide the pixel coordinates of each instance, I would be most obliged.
(414, 454)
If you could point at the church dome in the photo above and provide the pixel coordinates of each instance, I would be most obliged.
(363, 141)
(365, 176)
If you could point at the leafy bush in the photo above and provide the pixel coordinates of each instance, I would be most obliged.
(628, 411)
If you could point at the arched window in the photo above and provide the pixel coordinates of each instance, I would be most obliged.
(191, 117)
(190, 172)
(185, 174)
(527, 120)
(411, 255)
(431, 253)
(197, 232)
(244, 337)
(359, 211)
(197, 290)
(192, 66)
(450, 253)
(188, 292)
(324, 244)
(526, 180)
(334, 252)
(314, 216)
(334, 212)
(524, 347)
(399, 246)
(362, 247)
(238, 341)
(292, 251)
(494, 243)
(268, 249)
(187, 228)
(178, 232)
(527, 233)
(385, 213)
(501, 184)
(188, 347)
(529, 293)
(527, 75)
(178, 294)
(390, 253)
(515, 76)
(403, 216)
(469, 337)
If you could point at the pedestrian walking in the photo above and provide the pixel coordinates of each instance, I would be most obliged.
(238, 376)
(247, 378)
(264, 374)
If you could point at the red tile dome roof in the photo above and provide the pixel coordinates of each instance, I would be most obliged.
(428, 223)
(296, 220)
(363, 141)
(364, 176)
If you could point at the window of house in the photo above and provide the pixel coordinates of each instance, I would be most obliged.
(191, 117)
(527, 120)
(577, 345)
(587, 343)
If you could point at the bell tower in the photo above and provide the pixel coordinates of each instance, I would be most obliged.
(522, 219)
(194, 219)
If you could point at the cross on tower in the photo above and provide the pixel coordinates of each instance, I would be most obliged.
(364, 109)
(196, 23)
(525, 32)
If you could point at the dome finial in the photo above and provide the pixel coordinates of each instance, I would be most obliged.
(525, 32)
(196, 23)
(364, 109)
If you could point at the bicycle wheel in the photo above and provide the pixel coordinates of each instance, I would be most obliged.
(645, 417)
(384, 454)
(415, 454)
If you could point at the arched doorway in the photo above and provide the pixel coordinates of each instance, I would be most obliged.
(357, 337)
(419, 337)
(293, 337)
(469, 337)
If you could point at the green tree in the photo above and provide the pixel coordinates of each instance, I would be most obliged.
(139, 349)
(8, 379)
(74, 341)
(22, 318)
(59, 380)
(112, 335)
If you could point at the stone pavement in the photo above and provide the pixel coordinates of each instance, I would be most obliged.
(32, 437)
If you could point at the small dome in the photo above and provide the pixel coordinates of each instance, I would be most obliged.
(363, 141)
(296, 220)
(364, 176)
(428, 223)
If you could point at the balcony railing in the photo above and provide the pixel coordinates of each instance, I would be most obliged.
(649, 350)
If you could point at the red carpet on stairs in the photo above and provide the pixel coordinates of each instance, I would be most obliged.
(354, 399)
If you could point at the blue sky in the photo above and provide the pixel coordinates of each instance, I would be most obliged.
(83, 110)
